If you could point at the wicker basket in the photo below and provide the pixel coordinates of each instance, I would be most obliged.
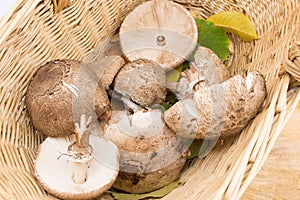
(38, 31)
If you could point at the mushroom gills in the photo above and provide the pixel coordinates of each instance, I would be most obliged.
(154, 32)
(54, 168)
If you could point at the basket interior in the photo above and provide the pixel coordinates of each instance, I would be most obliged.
(35, 32)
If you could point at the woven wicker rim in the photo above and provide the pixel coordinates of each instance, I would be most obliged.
(35, 32)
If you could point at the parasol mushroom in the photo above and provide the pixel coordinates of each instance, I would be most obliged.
(151, 155)
(207, 67)
(219, 110)
(142, 81)
(107, 68)
(159, 30)
(63, 89)
(80, 167)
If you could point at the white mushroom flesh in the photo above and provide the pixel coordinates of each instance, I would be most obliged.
(54, 168)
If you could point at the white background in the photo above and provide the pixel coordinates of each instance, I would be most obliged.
(6, 5)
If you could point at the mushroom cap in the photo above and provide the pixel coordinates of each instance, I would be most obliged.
(151, 154)
(154, 31)
(220, 110)
(143, 81)
(208, 67)
(60, 92)
(53, 168)
(107, 68)
(134, 178)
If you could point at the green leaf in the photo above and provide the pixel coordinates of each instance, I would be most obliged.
(155, 194)
(165, 106)
(213, 37)
(170, 100)
(194, 148)
(199, 148)
(186, 65)
(174, 75)
(235, 23)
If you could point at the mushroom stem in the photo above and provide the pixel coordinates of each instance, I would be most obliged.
(82, 140)
(79, 175)
(83, 132)
(81, 151)
(80, 159)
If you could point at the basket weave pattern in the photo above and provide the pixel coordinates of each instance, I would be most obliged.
(36, 31)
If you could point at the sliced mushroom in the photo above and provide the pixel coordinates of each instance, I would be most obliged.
(142, 81)
(219, 110)
(63, 89)
(77, 167)
(155, 31)
(152, 156)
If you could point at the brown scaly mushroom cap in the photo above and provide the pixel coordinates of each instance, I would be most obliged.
(154, 31)
(219, 110)
(142, 81)
(81, 167)
(107, 68)
(207, 67)
(152, 156)
(63, 89)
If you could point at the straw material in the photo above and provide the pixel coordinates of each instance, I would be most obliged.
(36, 31)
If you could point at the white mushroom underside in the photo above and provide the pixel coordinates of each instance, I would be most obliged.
(54, 170)
(141, 29)
(146, 124)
